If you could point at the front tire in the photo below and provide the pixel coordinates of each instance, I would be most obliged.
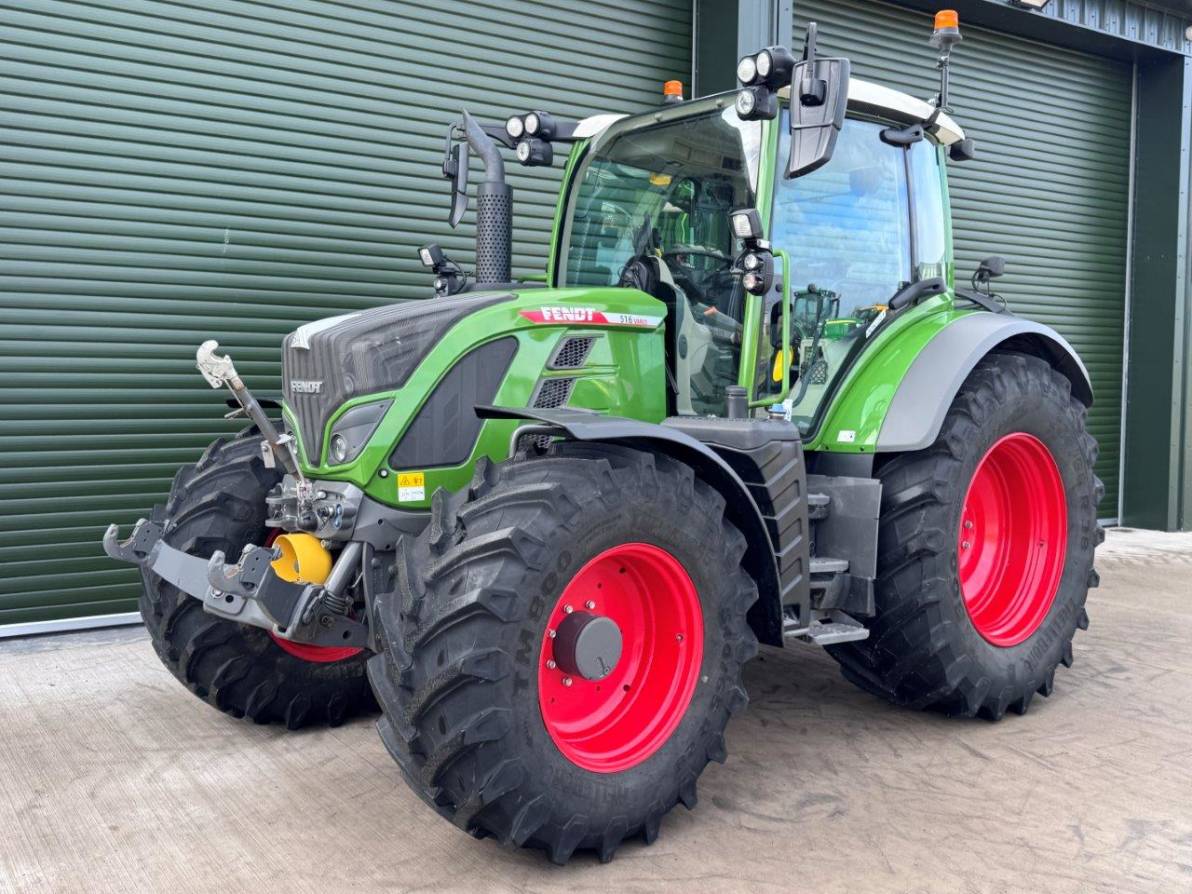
(219, 504)
(985, 549)
(493, 721)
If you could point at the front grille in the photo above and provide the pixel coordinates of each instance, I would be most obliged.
(552, 393)
(572, 353)
(330, 361)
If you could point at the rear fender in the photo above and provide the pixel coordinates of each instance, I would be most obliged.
(916, 413)
(766, 616)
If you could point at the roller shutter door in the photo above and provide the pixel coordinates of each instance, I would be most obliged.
(1049, 189)
(171, 172)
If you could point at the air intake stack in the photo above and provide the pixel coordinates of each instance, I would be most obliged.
(494, 209)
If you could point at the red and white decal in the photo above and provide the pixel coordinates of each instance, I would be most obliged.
(564, 314)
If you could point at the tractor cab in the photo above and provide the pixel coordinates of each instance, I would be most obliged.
(650, 205)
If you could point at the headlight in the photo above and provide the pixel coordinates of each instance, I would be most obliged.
(751, 262)
(746, 102)
(532, 124)
(515, 127)
(523, 151)
(753, 283)
(339, 450)
(352, 430)
(746, 70)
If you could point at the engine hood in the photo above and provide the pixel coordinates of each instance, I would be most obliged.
(330, 361)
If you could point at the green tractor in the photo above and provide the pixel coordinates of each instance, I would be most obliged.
(545, 524)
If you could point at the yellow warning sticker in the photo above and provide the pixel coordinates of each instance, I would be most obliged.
(411, 486)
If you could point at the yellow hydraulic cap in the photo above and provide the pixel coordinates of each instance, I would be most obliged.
(303, 559)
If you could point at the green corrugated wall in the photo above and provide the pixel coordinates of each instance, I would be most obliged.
(171, 172)
(1049, 189)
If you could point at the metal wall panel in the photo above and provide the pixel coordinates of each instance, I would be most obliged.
(1049, 189)
(171, 172)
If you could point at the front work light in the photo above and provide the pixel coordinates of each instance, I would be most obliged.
(747, 224)
(431, 255)
(533, 151)
(771, 67)
(755, 103)
(540, 124)
(747, 70)
(515, 127)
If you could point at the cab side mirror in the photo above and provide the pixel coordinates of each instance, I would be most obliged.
(819, 100)
(455, 169)
(990, 268)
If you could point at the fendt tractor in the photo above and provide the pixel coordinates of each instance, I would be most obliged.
(544, 524)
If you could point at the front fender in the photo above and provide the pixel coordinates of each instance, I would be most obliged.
(766, 616)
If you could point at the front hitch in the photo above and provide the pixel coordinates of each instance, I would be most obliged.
(249, 591)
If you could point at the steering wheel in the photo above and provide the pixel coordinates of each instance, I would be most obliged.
(724, 259)
(693, 279)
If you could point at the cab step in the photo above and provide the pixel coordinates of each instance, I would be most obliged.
(827, 629)
(818, 506)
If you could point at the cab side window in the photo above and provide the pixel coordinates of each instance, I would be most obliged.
(931, 221)
(847, 225)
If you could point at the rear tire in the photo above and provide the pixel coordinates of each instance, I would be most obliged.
(219, 504)
(977, 636)
(464, 681)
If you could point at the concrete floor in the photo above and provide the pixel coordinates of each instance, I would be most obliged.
(113, 778)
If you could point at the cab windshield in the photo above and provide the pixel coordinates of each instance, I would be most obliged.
(650, 209)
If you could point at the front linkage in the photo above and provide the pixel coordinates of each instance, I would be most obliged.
(251, 591)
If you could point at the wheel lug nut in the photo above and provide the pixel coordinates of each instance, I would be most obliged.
(968, 525)
(679, 637)
(567, 609)
(551, 634)
(550, 664)
(964, 545)
(566, 681)
(589, 605)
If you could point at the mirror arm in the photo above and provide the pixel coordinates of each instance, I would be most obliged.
(916, 290)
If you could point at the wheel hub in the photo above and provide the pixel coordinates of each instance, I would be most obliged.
(587, 645)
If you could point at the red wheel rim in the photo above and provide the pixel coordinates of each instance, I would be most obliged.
(1012, 540)
(616, 722)
(317, 654)
(306, 651)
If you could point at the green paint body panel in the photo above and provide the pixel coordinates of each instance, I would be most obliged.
(625, 375)
(860, 403)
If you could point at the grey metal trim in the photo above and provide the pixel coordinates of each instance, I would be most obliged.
(67, 625)
(917, 411)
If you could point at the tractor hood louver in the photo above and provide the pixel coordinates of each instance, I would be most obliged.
(328, 362)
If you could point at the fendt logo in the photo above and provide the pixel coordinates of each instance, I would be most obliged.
(589, 315)
(306, 386)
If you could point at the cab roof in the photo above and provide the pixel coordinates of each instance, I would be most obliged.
(863, 96)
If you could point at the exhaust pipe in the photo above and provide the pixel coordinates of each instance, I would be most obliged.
(494, 210)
